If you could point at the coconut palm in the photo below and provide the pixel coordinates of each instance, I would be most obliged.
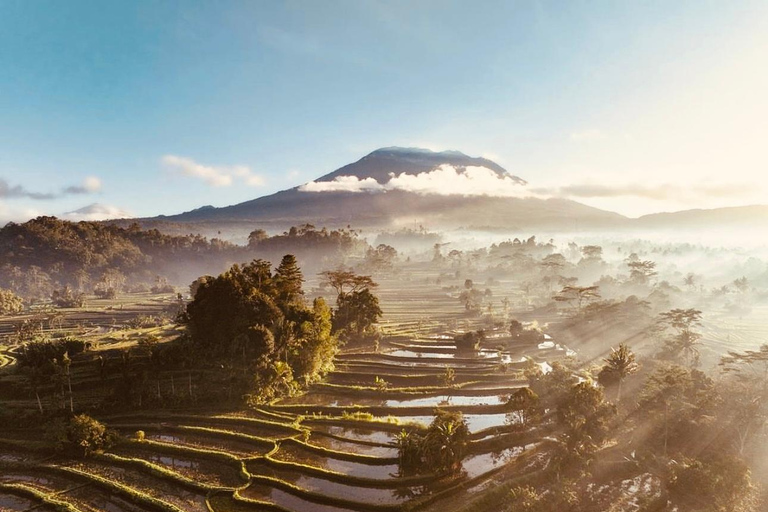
(619, 365)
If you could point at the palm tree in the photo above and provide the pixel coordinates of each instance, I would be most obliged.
(445, 442)
(620, 364)
(686, 343)
(66, 362)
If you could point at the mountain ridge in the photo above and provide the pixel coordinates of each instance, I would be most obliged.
(388, 208)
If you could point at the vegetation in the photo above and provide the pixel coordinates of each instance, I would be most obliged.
(440, 449)
(357, 308)
(10, 303)
(256, 323)
(81, 435)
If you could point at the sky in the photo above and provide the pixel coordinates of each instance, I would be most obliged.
(159, 107)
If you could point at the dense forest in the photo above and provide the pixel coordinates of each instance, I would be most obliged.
(47, 254)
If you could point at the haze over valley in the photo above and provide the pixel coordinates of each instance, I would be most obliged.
(546, 290)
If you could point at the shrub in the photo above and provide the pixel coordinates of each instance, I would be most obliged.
(66, 298)
(10, 303)
(470, 341)
(81, 435)
(41, 353)
(104, 292)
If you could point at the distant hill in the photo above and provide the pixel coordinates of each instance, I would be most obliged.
(397, 207)
(742, 217)
(383, 207)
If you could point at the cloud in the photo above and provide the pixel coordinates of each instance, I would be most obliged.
(96, 211)
(343, 184)
(90, 185)
(658, 192)
(445, 180)
(215, 176)
(11, 214)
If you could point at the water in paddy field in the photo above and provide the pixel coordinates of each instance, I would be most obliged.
(291, 453)
(434, 401)
(13, 503)
(287, 500)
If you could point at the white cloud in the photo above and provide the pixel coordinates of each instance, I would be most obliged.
(90, 185)
(445, 180)
(11, 214)
(96, 211)
(653, 191)
(343, 184)
(215, 176)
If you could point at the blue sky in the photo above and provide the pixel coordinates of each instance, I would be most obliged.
(134, 104)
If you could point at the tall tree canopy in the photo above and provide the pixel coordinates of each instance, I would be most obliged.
(257, 324)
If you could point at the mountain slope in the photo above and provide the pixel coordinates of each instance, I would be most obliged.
(736, 216)
(379, 164)
(382, 209)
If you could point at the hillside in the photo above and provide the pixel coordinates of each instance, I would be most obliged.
(365, 209)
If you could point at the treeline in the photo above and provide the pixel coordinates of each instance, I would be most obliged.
(315, 248)
(47, 256)
(251, 336)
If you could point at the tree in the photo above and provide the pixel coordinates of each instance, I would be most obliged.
(581, 295)
(66, 363)
(257, 326)
(409, 451)
(675, 400)
(640, 272)
(712, 484)
(618, 366)
(197, 283)
(10, 303)
(82, 435)
(346, 281)
(66, 298)
(289, 279)
(584, 418)
(526, 407)
(357, 310)
(381, 258)
(445, 442)
(592, 252)
(256, 237)
(469, 341)
(741, 284)
(685, 341)
(746, 410)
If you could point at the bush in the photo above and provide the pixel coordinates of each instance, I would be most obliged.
(81, 436)
(10, 303)
(40, 353)
(103, 292)
(66, 298)
(470, 341)
(439, 450)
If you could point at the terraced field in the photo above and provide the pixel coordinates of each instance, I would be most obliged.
(331, 449)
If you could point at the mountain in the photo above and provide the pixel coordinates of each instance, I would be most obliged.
(410, 202)
(96, 211)
(382, 162)
(753, 217)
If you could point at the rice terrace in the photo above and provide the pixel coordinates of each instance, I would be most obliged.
(383, 256)
(333, 448)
